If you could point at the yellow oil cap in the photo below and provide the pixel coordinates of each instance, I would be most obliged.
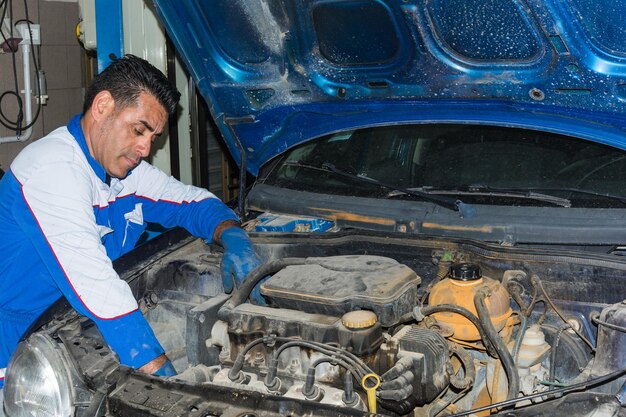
(359, 319)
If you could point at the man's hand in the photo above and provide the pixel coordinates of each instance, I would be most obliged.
(239, 260)
(160, 366)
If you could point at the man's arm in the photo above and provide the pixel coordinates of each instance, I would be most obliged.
(171, 203)
(57, 215)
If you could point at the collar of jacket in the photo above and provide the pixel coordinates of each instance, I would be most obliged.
(74, 128)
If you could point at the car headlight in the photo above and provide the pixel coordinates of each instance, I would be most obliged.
(38, 381)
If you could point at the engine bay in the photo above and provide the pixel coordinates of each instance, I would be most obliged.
(369, 324)
(460, 327)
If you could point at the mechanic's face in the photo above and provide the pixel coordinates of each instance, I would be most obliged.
(123, 137)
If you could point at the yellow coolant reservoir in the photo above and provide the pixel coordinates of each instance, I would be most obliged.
(459, 289)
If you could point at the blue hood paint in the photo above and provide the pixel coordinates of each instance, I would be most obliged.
(280, 72)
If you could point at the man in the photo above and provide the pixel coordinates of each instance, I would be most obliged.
(79, 198)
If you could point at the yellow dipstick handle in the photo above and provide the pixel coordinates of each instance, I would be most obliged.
(371, 391)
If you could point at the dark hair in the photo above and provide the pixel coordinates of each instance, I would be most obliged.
(126, 78)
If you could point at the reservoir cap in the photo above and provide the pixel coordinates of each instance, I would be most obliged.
(465, 272)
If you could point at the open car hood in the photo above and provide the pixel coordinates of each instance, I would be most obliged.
(278, 72)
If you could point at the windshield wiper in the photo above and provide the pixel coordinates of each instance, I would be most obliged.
(483, 190)
(620, 198)
(301, 164)
(534, 193)
(465, 210)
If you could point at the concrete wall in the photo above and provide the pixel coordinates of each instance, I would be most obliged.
(60, 56)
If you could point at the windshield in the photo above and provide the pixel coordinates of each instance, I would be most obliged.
(483, 164)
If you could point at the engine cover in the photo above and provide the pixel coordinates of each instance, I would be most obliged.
(338, 284)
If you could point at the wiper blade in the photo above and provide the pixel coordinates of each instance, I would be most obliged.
(620, 198)
(304, 165)
(465, 210)
(481, 190)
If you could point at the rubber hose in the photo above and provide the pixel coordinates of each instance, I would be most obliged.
(357, 366)
(572, 351)
(238, 364)
(308, 388)
(241, 294)
(338, 361)
(399, 407)
(513, 289)
(496, 340)
(555, 346)
(468, 365)
(443, 269)
(450, 308)
(520, 337)
(349, 396)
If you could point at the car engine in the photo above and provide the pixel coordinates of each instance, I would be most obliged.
(337, 327)
(327, 330)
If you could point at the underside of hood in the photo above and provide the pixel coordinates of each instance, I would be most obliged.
(276, 73)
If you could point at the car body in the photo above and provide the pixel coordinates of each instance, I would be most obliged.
(439, 186)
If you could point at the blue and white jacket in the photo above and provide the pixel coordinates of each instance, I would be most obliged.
(61, 225)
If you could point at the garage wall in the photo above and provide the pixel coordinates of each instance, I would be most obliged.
(60, 56)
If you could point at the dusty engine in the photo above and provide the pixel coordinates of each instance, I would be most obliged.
(336, 327)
